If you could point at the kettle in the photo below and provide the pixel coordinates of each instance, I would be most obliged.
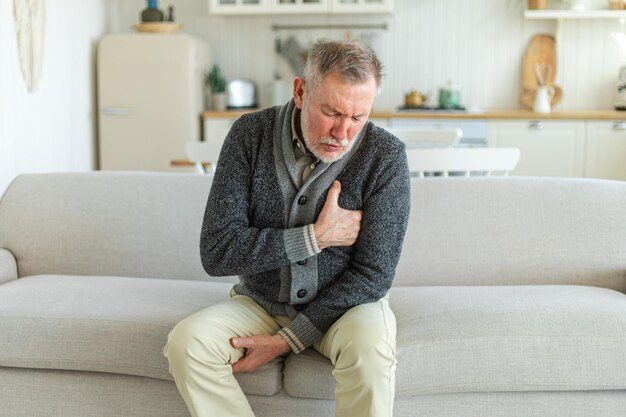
(415, 99)
(450, 96)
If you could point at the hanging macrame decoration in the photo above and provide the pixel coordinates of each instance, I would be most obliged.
(30, 18)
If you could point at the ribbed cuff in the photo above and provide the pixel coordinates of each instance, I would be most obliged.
(300, 243)
(300, 334)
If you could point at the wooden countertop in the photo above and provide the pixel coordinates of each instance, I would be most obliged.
(487, 114)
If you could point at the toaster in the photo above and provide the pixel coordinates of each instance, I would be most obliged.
(242, 94)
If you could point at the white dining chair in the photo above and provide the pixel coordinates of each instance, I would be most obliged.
(466, 161)
(422, 137)
(203, 155)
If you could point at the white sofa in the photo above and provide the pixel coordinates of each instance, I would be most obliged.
(509, 299)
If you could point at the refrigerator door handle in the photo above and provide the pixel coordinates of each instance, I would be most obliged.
(116, 111)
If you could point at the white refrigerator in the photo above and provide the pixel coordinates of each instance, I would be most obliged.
(150, 99)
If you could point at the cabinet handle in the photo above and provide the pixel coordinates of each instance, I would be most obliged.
(116, 111)
(619, 125)
(535, 124)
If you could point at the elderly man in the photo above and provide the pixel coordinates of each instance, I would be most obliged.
(309, 206)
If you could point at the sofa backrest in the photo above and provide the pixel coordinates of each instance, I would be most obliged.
(106, 223)
(495, 231)
(462, 231)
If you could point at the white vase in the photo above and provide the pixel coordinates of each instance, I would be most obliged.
(543, 97)
(218, 101)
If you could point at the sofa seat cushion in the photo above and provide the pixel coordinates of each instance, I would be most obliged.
(106, 324)
(485, 339)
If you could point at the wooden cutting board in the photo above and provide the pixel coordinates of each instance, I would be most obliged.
(541, 51)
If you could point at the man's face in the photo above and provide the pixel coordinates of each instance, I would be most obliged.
(332, 114)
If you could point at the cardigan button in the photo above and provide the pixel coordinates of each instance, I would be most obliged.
(302, 262)
(301, 293)
(299, 307)
(302, 200)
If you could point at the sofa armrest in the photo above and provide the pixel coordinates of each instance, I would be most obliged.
(8, 266)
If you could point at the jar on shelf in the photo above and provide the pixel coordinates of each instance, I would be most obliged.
(152, 12)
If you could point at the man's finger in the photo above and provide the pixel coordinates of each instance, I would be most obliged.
(240, 366)
(242, 342)
(333, 193)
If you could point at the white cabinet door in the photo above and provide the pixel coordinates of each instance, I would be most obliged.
(299, 6)
(548, 148)
(238, 6)
(361, 6)
(606, 150)
(215, 131)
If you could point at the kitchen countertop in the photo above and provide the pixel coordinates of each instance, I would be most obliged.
(487, 114)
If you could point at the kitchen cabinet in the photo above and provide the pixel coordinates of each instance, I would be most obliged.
(574, 144)
(548, 148)
(234, 7)
(216, 129)
(474, 131)
(606, 150)
(238, 6)
(361, 6)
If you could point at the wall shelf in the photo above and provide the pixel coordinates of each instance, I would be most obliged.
(574, 14)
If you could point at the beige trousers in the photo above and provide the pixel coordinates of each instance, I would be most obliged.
(361, 345)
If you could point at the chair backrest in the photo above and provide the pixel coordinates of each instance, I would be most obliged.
(422, 137)
(203, 154)
(469, 161)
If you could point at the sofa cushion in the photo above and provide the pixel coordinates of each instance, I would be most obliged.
(485, 339)
(515, 231)
(106, 324)
(101, 223)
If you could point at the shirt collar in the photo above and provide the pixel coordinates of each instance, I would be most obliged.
(298, 144)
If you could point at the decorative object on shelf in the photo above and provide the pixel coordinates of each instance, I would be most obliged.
(449, 95)
(171, 15)
(217, 85)
(158, 27)
(539, 68)
(415, 99)
(537, 4)
(152, 13)
(30, 18)
(620, 93)
(543, 96)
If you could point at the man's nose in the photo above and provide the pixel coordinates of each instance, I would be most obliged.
(341, 128)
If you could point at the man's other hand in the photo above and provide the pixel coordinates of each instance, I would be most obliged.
(336, 226)
(259, 351)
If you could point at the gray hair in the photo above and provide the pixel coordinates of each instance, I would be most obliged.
(353, 61)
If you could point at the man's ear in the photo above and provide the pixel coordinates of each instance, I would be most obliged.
(298, 91)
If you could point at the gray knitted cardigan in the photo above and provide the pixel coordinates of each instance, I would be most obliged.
(258, 218)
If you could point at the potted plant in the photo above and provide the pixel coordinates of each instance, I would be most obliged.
(217, 84)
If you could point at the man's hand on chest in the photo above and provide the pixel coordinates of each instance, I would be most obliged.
(336, 226)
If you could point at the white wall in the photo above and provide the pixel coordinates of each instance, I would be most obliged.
(478, 44)
(53, 128)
